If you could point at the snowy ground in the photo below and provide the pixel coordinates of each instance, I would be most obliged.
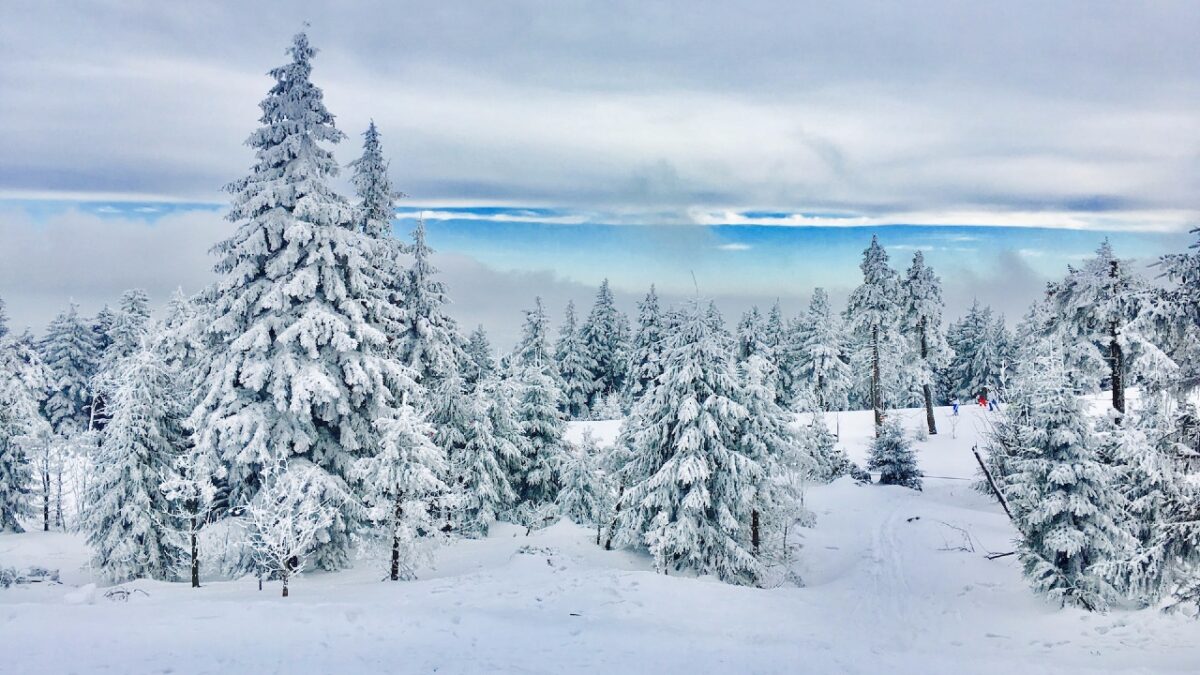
(889, 587)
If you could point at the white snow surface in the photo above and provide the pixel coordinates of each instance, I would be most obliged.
(888, 588)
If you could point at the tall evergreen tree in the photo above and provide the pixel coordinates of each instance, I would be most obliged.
(605, 337)
(923, 321)
(128, 327)
(873, 314)
(3, 319)
(691, 486)
(373, 187)
(1066, 506)
(402, 480)
(478, 363)
(480, 473)
(22, 383)
(575, 367)
(646, 362)
(820, 346)
(978, 364)
(71, 355)
(543, 427)
(299, 370)
(533, 349)
(1092, 309)
(430, 343)
(129, 523)
(388, 304)
(751, 335)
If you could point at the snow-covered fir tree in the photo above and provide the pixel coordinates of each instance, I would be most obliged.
(3, 319)
(71, 355)
(542, 427)
(450, 416)
(767, 438)
(129, 525)
(298, 371)
(893, 457)
(752, 335)
(691, 487)
(778, 340)
(819, 344)
(478, 364)
(874, 315)
(128, 327)
(1066, 507)
(373, 187)
(605, 337)
(923, 323)
(533, 348)
(376, 199)
(978, 365)
(401, 482)
(586, 494)
(1091, 310)
(646, 360)
(22, 383)
(575, 367)
(480, 471)
(429, 341)
(1176, 312)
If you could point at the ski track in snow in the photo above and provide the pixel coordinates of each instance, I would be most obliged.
(886, 590)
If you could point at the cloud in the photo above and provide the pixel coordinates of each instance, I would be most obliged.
(1070, 115)
(735, 247)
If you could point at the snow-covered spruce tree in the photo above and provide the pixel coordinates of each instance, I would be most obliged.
(873, 314)
(1067, 508)
(819, 344)
(610, 408)
(3, 319)
(978, 362)
(450, 416)
(751, 335)
(1175, 311)
(586, 493)
(430, 343)
(129, 524)
(542, 427)
(373, 187)
(401, 482)
(533, 348)
(923, 323)
(893, 457)
(480, 472)
(1091, 310)
(691, 489)
(766, 437)
(575, 367)
(22, 383)
(70, 355)
(375, 210)
(778, 341)
(605, 337)
(299, 369)
(478, 363)
(646, 359)
(502, 401)
(288, 515)
(127, 329)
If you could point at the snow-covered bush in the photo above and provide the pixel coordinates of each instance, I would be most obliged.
(893, 457)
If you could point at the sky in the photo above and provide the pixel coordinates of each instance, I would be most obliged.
(756, 146)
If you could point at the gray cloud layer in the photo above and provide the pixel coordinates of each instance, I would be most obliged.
(1010, 107)
(90, 260)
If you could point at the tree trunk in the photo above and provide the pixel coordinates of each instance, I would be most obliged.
(58, 498)
(45, 499)
(195, 555)
(616, 512)
(821, 392)
(876, 387)
(1117, 359)
(925, 388)
(283, 575)
(754, 531)
(397, 515)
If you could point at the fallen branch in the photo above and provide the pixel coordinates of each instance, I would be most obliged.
(992, 483)
(993, 556)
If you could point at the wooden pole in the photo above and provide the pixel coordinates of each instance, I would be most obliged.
(991, 482)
